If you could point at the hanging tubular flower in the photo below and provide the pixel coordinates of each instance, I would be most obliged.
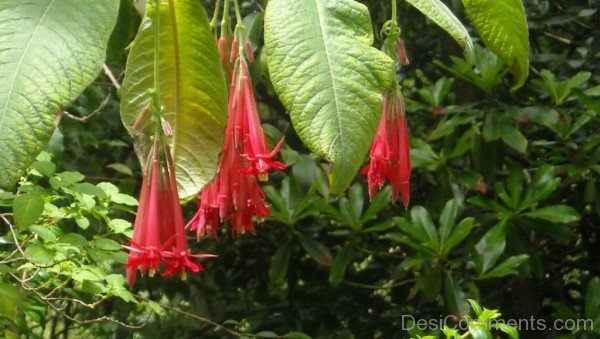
(260, 159)
(390, 152)
(234, 195)
(159, 230)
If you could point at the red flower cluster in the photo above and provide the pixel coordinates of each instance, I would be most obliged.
(390, 152)
(159, 230)
(235, 195)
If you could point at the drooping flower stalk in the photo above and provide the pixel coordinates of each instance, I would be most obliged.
(235, 195)
(390, 152)
(159, 229)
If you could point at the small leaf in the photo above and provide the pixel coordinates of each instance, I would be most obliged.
(513, 137)
(328, 77)
(87, 188)
(279, 264)
(316, 250)
(511, 331)
(460, 232)
(476, 307)
(491, 245)
(422, 220)
(45, 168)
(557, 213)
(74, 239)
(507, 267)
(10, 300)
(503, 27)
(296, 335)
(592, 299)
(43, 232)
(456, 300)
(447, 219)
(106, 244)
(121, 168)
(39, 254)
(27, 209)
(338, 268)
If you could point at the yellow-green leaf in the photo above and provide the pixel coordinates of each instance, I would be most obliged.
(50, 51)
(439, 13)
(191, 86)
(503, 27)
(329, 77)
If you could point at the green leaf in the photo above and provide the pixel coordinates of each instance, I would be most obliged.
(51, 51)
(39, 254)
(557, 213)
(296, 335)
(447, 219)
(316, 250)
(491, 245)
(27, 208)
(106, 244)
(191, 88)
(476, 307)
(503, 27)
(509, 330)
(460, 232)
(338, 268)
(46, 233)
(592, 299)
(513, 137)
(279, 264)
(10, 300)
(329, 78)
(439, 13)
(422, 220)
(456, 300)
(507, 267)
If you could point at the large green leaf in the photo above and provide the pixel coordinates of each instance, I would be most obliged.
(51, 51)
(328, 77)
(191, 87)
(439, 13)
(503, 27)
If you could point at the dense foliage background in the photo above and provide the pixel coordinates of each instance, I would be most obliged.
(504, 206)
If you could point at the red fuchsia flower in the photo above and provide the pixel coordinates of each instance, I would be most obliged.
(249, 130)
(390, 152)
(235, 196)
(159, 229)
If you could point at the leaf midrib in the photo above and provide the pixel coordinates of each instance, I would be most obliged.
(20, 62)
(177, 68)
(321, 16)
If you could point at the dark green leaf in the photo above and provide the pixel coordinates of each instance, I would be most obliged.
(557, 213)
(316, 250)
(279, 264)
(338, 268)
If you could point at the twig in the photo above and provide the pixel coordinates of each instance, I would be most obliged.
(558, 38)
(111, 76)
(197, 317)
(375, 287)
(91, 115)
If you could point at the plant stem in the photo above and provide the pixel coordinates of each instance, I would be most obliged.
(394, 10)
(238, 14)
(225, 29)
